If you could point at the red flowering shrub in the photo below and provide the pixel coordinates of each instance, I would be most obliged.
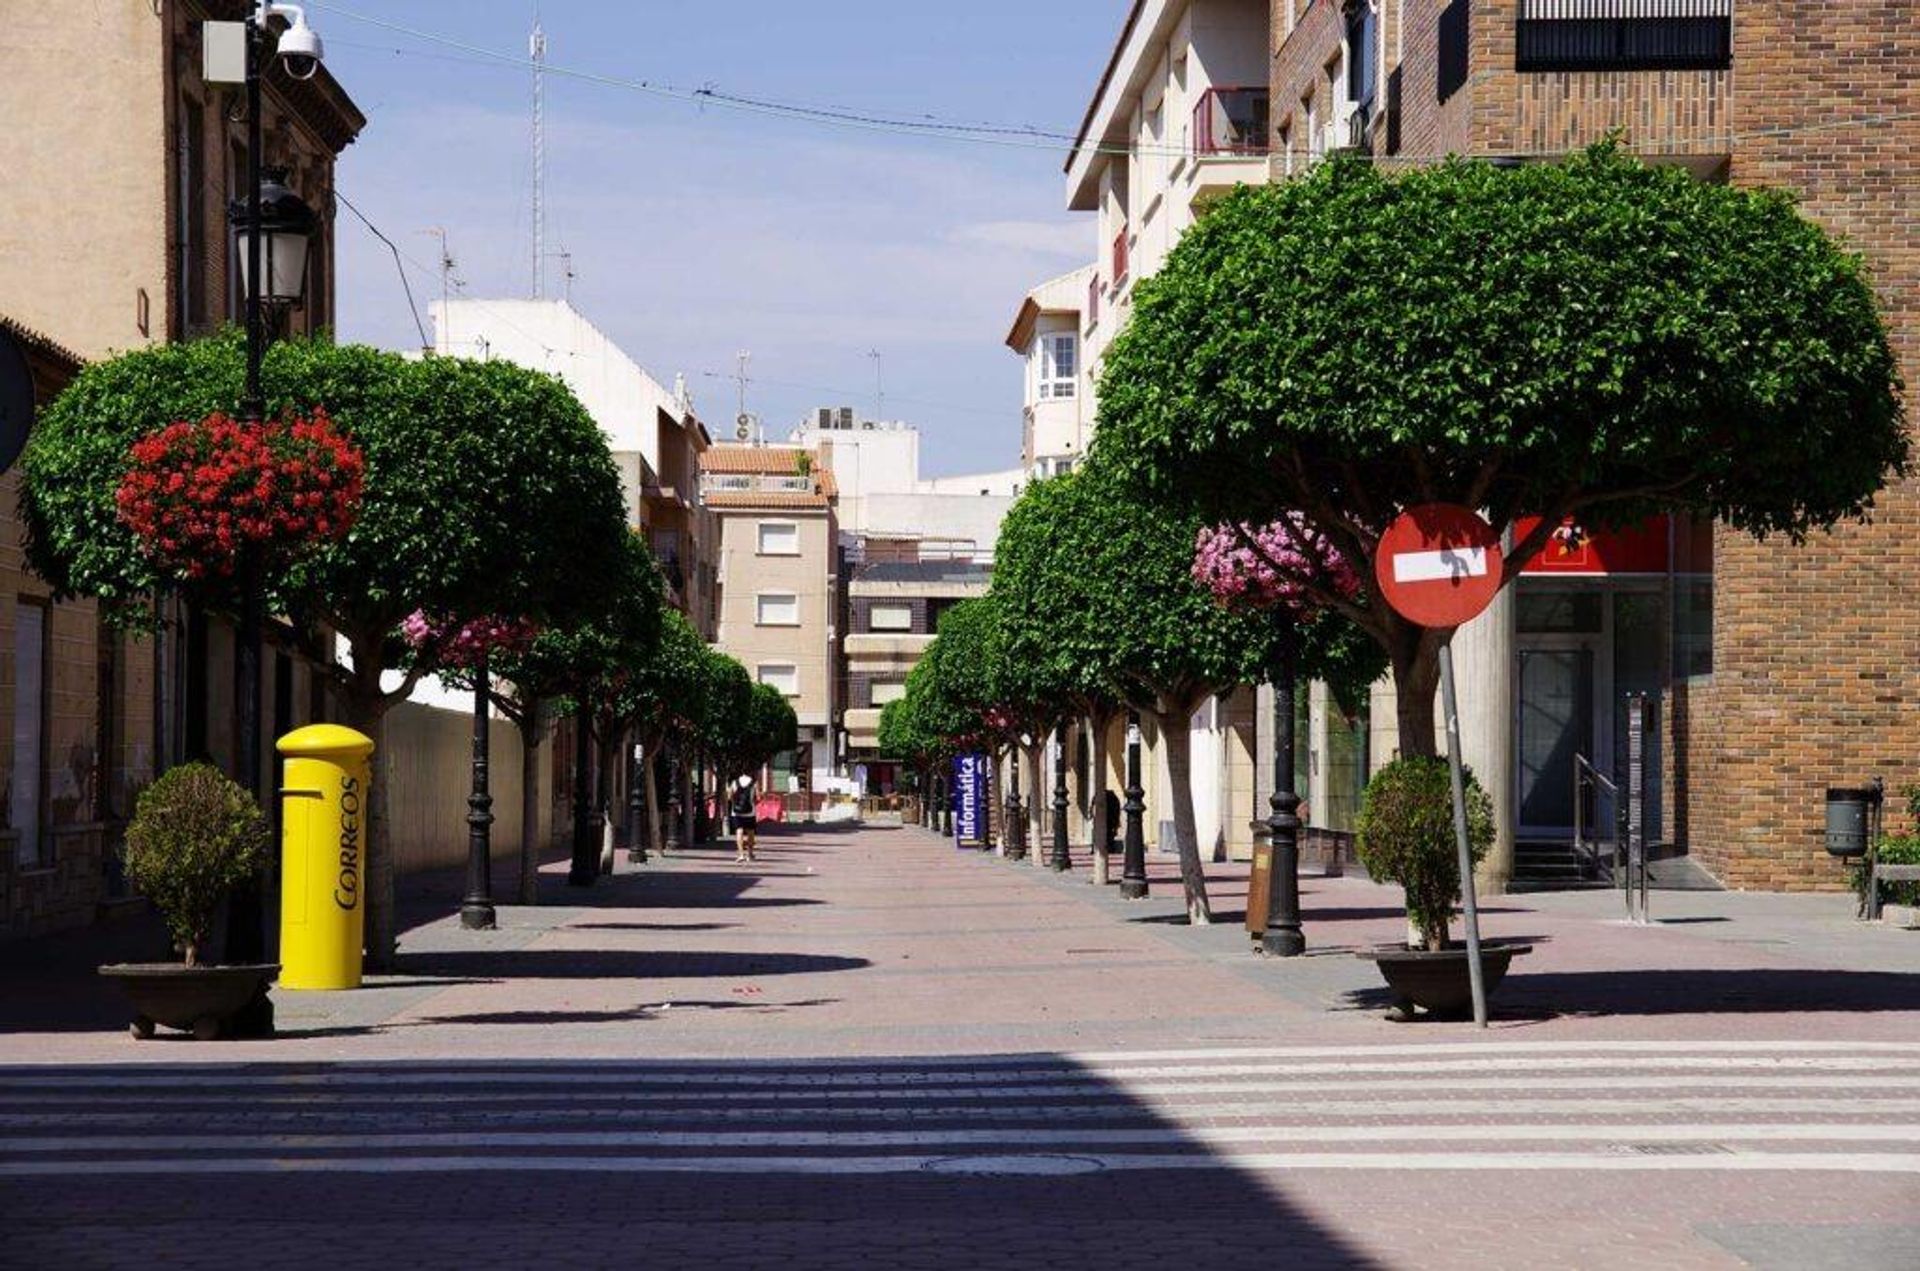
(460, 646)
(222, 498)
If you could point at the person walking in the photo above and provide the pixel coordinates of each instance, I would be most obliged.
(741, 819)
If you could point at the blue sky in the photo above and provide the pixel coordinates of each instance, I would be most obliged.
(697, 231)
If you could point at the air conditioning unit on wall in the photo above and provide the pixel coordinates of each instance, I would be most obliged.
(1346, 130)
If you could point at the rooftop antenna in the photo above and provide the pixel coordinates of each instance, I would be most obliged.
(745, 426)
(879, 388)
(537, 50)
(565, 258)
(447, 283)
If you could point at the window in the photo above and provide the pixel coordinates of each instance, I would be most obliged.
(1452, 76)
(1624, 35)
(781, 675)
(1363, 53)
(888, 692)
(890, 618)
(777, 609)
(779, 538)
(1093, 301)
(1059, 365)
(26, 808)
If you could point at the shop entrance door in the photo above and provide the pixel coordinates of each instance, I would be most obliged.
(1557, 690)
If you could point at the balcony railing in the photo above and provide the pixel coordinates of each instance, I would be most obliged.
(1624, 35)
(1231, 121)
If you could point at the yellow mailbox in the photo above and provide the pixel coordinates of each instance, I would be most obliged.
(323, 851)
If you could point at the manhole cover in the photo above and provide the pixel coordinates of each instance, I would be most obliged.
(1013, 1165)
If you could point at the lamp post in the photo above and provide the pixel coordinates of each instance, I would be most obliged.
(1283, 937)
(1133, 857)
(476, 911)
(1062, 859)
(672, 843)
(271, 227)
(1016, 811)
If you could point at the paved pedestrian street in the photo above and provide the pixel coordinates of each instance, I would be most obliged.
(874, 1050)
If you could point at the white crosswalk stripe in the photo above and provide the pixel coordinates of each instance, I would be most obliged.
(1607, 1106)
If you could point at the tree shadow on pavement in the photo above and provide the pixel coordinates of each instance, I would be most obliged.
(1747, 991)
(612, 964)
(651, 926)
(626, 1014)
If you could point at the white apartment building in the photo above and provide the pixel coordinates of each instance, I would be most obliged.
(630, 405)
(1057, 419)
(1180, 116)
(876, 466)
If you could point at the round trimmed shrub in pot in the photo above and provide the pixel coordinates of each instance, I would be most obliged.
(195, 835)
(1405, 835)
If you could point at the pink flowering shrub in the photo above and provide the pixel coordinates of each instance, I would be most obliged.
(446, 644)
(1241, 578)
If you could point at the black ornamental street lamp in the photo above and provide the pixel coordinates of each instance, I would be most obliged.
(271, 229)
(1016, 810)
(1283, 936)
(1062, 860)
(476, 911)
(1133, 856)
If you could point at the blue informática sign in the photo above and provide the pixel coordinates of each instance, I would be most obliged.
(970, 800)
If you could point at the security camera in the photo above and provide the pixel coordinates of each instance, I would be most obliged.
(300, 48)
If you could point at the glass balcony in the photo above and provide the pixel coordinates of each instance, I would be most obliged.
(1231, 121)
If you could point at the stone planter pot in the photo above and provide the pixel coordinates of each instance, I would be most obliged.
(1438, 981)
(207, 1001)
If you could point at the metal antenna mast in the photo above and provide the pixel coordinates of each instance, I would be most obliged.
(537, 50)
(447, 284)
(879, 388)
(746, 427)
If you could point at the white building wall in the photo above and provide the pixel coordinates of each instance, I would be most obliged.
(553, 336)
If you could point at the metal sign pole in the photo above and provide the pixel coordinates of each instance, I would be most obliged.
(1636, 807)
(1451, 706)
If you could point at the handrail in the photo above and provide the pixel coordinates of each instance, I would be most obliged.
(1584, 773)
(1631, 873)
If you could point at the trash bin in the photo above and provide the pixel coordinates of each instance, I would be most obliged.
(323, 856)
(1849, 814)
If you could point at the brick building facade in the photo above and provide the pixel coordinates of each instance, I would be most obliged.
(1811, 674)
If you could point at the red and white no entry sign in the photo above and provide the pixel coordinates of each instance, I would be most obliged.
(1438, 564)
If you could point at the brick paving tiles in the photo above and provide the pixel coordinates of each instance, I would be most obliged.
(876, 1051)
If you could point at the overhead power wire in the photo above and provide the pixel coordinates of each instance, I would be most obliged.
(1017, 136)
(398, 264)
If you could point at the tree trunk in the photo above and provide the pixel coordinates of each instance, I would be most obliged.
(1416, 679)
(1097, 721)
(609, 744)
(530, 729)
(1036, 802)
(1175, 719)
(649, 773)
(367, 710)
